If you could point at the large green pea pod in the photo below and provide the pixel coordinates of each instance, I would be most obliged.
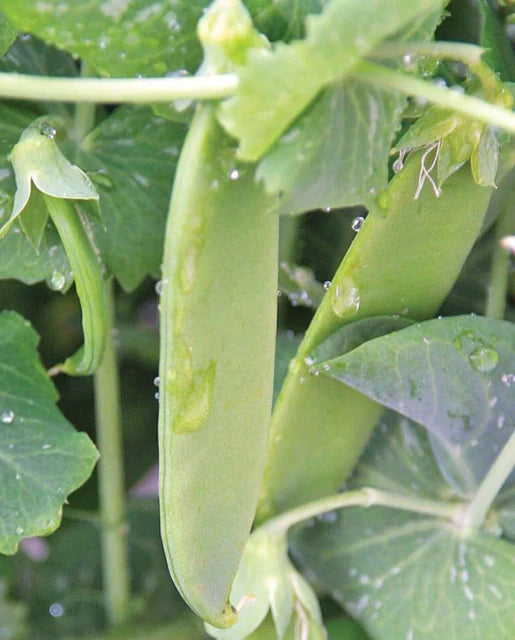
(218, 317)
(404, 260)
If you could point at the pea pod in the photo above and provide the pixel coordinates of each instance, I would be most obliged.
(89, 285)
(218, 317)
(404, 260)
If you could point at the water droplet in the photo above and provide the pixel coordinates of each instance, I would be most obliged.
(330, 517)
(484, 359)
(157, 381)
(7, 416)
(56, 610)
(500, 421)
(409, 62)
(45, 447)
(346, 299)
(159, 286)
(439, 82)
(357, 223)
(508, 379)
(47, 130)
(56, 281)
(309, 360)
(234, 175)
(327, 209)
(156, 395)
(19, 530)
(398, 165)
(327, 285)
(18, 476)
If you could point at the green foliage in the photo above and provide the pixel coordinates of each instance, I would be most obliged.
(43, 459)
(453, 375)
(404, 575)
(426, 549)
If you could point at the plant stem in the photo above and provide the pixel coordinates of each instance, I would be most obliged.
(475, 514)
(111, 481)
(116, 90)
(366, 497)
(84, 119)
(468, 54)
(464, 104)
(499, 271)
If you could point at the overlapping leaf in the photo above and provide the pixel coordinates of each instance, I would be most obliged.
(7, 33)
(404, 575)
(453, 375)
(277, 86)
(42, 458)
(131, 157)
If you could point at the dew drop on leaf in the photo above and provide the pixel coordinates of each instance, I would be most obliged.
(56, 281)
(7, 416)
(47, 130)
(484, 359)
(357, 223)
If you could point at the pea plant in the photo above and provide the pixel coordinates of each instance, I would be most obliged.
(320, 192)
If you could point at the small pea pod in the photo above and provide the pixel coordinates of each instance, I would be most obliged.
(404, 260)
(39, 163)
(218, 316)
(89, 285)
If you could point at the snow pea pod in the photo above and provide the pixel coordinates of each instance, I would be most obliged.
(218, 315)
(218, 320)
(404, 260)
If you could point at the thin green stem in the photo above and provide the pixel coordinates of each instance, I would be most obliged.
(84, 119)
(111, 481)
(500, 269)
(116, 90)
(366, 497)
(461, 103)
(468, 54)
(476, 512)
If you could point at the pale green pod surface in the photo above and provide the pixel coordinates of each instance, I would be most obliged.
(404, 260)
(218, 321)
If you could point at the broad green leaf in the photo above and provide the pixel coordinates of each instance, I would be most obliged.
(116, 37)
(453, 375)
(131, 157)
(336, 154)
(353, 335)
(407, 576)
(42, 458)
(12, 616)
(7, 33)
(131, 37)
(277, 86)
(19, 260)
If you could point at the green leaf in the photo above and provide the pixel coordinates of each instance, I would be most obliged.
(336, 154)
(19, 260)
(12, 616)
(131, 157)
(270, 86)
(453, 375)
(7, 33)
(116, 37)
(42, 458)
(37, 160)
(407, 576)
(286, 347)
(356, 333)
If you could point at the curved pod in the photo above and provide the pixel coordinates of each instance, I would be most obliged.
(218, 321)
